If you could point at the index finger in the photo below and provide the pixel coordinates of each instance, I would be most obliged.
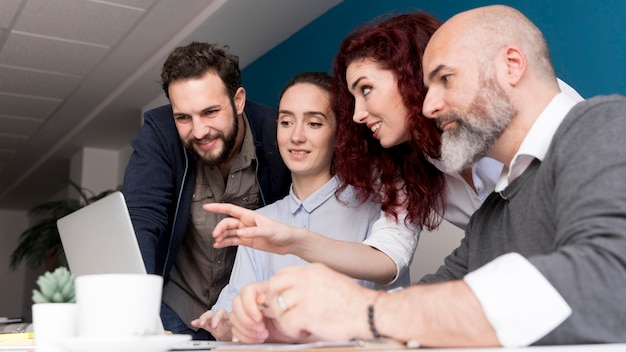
(226, 208)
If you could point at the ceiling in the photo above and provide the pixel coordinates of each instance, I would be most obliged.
(76, 73)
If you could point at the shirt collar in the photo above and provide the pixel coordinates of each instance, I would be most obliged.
(484, 174)
(247, 154)
(536, 143)
(316, 199)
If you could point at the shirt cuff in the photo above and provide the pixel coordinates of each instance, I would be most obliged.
(519, 302)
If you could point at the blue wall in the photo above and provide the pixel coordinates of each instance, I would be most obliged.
(587, 39)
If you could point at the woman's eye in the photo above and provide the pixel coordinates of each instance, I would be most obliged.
(316, 124)
(365, 90)
(285, 123)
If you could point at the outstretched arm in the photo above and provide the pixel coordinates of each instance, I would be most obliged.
(249, 228)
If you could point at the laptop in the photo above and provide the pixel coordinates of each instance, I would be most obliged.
(100, 239)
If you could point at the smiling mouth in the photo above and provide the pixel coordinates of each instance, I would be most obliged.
(299, 152)
(206, 143)
(375, 127)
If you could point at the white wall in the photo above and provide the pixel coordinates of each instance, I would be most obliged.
(432, 248)
(95, 169)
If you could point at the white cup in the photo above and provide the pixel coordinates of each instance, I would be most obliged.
(118, 305)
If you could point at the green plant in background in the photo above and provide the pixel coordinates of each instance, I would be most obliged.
(55, 287)
(42, 241)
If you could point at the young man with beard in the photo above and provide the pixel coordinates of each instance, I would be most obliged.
(543, 261)
(209, 145)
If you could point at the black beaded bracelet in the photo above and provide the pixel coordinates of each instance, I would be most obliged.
(370, 318)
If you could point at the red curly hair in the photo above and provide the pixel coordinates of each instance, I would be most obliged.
(396, 44)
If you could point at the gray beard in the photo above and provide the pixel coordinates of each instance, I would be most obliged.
(461, 148)
(489, 115)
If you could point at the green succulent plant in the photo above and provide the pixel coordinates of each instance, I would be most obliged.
(55, 287)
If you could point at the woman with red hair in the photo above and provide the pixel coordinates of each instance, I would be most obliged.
(386, 147)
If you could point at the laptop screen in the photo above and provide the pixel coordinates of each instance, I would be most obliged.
(100, 239)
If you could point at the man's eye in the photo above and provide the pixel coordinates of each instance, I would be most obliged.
(210, 112)
(181, 117)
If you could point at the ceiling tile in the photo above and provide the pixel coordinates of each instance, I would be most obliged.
(36, 83)
(66, 57)
(25, 106)
(18, 126)
(84, 21)
(8, 9)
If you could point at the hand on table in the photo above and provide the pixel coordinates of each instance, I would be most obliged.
(302, 303)
(217, 323)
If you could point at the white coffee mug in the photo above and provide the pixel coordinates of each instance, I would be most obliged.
(118, 305)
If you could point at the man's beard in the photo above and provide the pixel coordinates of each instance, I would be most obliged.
(489, 115)
(228, 143)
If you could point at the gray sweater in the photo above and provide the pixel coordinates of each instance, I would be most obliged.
(567, 216)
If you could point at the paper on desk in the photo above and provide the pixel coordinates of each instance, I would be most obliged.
(16, 336)
(16, 341)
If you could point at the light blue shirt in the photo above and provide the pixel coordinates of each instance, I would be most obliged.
(320, 213)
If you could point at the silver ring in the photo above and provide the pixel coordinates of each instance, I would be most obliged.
(281, 303)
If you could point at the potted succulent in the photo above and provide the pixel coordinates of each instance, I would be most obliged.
(41, 243)
(54, 306)
(55, 287)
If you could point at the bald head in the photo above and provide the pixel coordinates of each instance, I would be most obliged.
(485, 31)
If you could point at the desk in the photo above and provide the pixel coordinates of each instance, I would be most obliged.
(398, 347)
(368, 347)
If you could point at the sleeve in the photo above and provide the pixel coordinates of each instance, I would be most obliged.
(588, 195)
(395, 239)
(149, 187)
(521, 305)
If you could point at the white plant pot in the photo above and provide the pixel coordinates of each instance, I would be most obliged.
(52, 321)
